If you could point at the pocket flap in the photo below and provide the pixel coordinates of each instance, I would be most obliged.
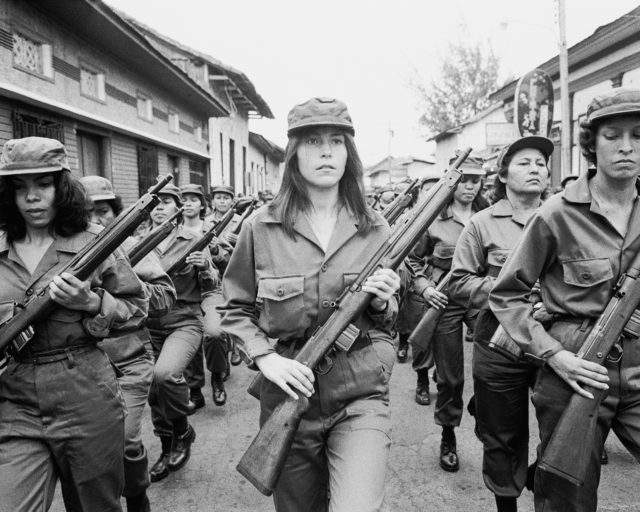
(66, 316)
(498, 258)
(280, 288)
(349, 278)
(6, 311)
(444, 252)
(587, 272)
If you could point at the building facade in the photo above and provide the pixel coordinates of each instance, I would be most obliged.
(77, 72)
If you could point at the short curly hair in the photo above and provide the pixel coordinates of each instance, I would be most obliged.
(587, 140)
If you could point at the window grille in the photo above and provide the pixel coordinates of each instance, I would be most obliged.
(31, 55)
(26, 125)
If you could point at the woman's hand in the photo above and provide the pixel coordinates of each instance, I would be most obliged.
(576, 371)
(287, 374)
(70, 292)
(434, 298)
(383, 283)
(198, 260)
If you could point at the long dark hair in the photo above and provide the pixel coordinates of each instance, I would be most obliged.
(72, 208)
(478, 203)
(292, 198)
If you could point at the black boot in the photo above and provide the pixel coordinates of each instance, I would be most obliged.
(219, 393)
(181, 449)
(448, 451)
(139, 503)
(506, 504)
(160, 469)
(422, 388)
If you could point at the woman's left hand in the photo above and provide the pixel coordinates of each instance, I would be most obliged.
(70, 292)
(383, 283)
(197, 259)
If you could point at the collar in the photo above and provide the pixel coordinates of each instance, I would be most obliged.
(345, 215)
(578, 191)
(504, 208)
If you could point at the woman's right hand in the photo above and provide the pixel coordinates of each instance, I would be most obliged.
(434, 298)
(576, 371)
(286, 373)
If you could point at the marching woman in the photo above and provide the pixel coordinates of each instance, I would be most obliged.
(175, 338)
(61, 411)
(502, 376)
(293, 259)
(577, 245)
(436, 247)
(131, 351)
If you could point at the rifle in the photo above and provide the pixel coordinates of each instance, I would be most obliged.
(18, 331)
(423, 333)
(247, 211)
(199, 244)
(263, 461)
(397, 206)
(148, 243)
(570, 445)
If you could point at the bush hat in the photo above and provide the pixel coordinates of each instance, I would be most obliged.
(533, 141)
(320, 112)
(224, 189)
(98, 188)
(615, 102)
(32, 155)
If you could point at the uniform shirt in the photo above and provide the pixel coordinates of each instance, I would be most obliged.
(123, 306)
(482, 249)
(191, 284)
(578, 256)
(283, 288)
(159, 291)
(431, 257)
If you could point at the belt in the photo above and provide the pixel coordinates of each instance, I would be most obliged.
(52, 356)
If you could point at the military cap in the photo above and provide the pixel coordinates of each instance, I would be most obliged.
(98, 188)
(224, 189)
(532, 141)
(32, 155)
(170, 190)
(193, 188)
(615, 102)
(472, 166)
(320, 112)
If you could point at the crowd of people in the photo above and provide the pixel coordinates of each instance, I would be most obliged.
(525, 271)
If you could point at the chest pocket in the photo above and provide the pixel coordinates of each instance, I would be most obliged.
(587, 272)
(283, 314)
(442, 256)
(496, 260)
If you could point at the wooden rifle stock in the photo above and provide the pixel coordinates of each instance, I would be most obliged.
(81, 266)
(262, 462)
(393, 211)
(422, 335)
(148, 243)
(569, 448)
(199, 244)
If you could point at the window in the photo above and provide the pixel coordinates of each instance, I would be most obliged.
(35, 125)
(174, 121)
(197, 173)
(145, 108)
(174, 168)
(91, 154)
(92, 83)
(32, 55)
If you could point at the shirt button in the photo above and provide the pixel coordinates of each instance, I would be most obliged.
(280, 292)
(325, 304)
(29, 292)
(586, 276)
(323, 268)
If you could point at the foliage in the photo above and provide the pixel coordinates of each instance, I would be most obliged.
(468, 75)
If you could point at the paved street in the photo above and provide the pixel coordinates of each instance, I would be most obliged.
(210, 482)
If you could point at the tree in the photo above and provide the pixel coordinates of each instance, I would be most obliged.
(468, 75)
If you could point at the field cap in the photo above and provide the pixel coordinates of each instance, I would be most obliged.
(98, 188)
(532, 141)
(614, 102)
(320, 112)
(472, 166)
(32, 155)
(223, 189)
(170, 190)
(193, 188)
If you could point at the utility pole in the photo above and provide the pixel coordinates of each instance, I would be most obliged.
(565, 111)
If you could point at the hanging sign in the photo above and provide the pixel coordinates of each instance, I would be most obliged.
(533, 104)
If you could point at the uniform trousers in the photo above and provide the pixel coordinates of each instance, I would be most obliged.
(338, 459)
(449, 358)
(619, 411)
(175, 339)
(214, 345)
(135, 381)
(62, 419)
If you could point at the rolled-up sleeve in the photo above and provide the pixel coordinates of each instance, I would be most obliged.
(469, 285)
(509, 298)
(238, 310)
